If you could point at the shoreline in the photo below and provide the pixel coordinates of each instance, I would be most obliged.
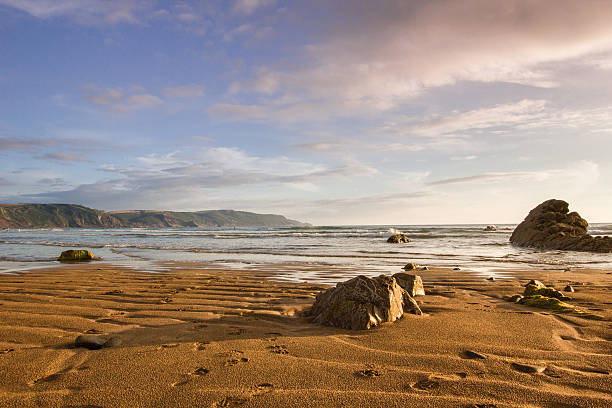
(217, 337)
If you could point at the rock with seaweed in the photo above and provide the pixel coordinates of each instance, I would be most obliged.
(550, 225)
(75, 255)
(362, 303)
(536, 294)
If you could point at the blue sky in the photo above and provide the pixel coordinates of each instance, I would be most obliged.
(331, 112)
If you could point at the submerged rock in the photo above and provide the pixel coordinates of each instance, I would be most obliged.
(398, 239)
(362, 302)
(550, 225)
(75, 255)
(413, 284)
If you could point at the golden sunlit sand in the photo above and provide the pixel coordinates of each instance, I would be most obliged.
(219, 338)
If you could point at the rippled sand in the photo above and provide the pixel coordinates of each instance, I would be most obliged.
(203, 337)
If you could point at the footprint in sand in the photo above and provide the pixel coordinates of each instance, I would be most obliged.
(230, 402)
(201, 371)
(262, 388)
(201, 345)
(370, 372)
(425, 385)
(278, 349)
(168, 345)
(232, 362)
(236, 331)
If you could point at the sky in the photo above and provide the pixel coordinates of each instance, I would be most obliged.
(326, 111)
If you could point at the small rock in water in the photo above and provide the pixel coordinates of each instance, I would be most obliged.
(491, 278)
(456, 269)
(528, 368)
(409, 267)
(74, 255)
(423, 268)
(398, 239)
(569, 288)
(490, 228)
(474, 354)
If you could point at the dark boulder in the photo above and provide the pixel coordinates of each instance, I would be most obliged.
(75, 255)
(551, 226)
(490, 228)
(398, 239)
(362, 303)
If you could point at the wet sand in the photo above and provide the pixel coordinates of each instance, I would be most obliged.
(194, 337)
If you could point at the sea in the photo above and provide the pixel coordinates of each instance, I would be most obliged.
(323, 254)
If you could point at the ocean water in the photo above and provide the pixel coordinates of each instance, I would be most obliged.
(299, 253)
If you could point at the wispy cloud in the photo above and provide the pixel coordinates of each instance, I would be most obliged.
(121, 100)
(184, 91)
(65, 157)
(84, 11)
(584, 171)
(250, 6)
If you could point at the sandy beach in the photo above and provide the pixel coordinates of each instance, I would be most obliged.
(196, 336)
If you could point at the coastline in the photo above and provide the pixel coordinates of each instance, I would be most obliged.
(202, 336)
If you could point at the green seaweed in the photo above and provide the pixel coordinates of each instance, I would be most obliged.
(75, 255)
(557, 306)
(533, 290)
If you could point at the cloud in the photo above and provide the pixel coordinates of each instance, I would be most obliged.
(78, 142)
(184, 91)
(382, 54)
(4, 182)
(104, 97)
(250, 6)
(499, 115)
(583, 172)
(84, 11)
(174, 179)
(120, 100)
(65, 157)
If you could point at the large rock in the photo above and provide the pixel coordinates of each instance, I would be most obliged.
(413, 284)
(398, 239)
(551, 226)
(362, 302)
(75, 255)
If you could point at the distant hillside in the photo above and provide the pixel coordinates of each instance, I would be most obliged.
(77, 216)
